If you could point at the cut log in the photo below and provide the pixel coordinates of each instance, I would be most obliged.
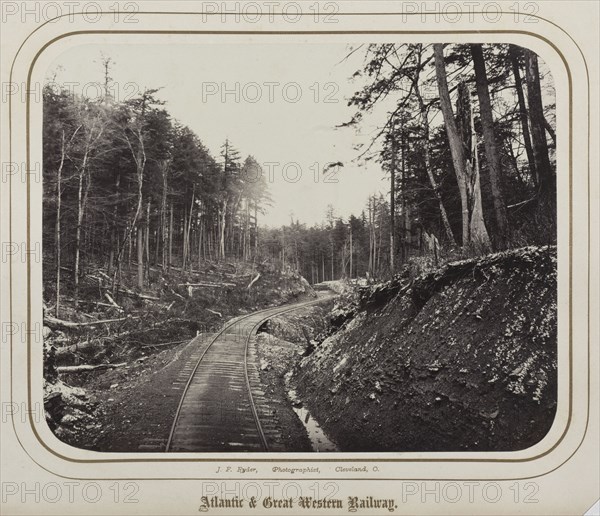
(80, 346)
(112, 301)
(208, 285)
(213, 312)
(131, 293)
(254, 281)
(149, 298)
(96, 303)
(98, 342)
(178, 295)
(88, 367)
(84, 302)
(162, 344)
(58, 323)
(103, 274)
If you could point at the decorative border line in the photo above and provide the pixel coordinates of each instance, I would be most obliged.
(170, 459)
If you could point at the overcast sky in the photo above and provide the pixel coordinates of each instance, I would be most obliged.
(278, 102)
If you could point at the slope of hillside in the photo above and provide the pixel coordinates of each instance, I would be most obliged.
(460, 359)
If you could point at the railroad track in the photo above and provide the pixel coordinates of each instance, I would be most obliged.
(222, 407)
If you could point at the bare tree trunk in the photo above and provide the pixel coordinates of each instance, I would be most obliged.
(283, 247)
(129, 231)
(247, 234)
(465, 184)
(140, 256)
(491, 147)
(547, 180)
(200, 238)
(170, 238)
(428, 166)
(189, 227)
(256, 229)
(77, 240)
(114, 235)
(379, 249)
(478, 231)
(81, 199)
(392, 206)
(406, 227)
(244, 237)
(163, 214)
(351, 251)
(138, 225)
(147, 240)
(514, 58)
(332, 262)
(157, 243)
(456, 149)
(140, 162)
(139, 156)
(550, 130)
(222, 230)
(58, 216)
(184, 241)
(370, 211)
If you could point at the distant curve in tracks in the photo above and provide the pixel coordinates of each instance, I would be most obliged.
(218, 411)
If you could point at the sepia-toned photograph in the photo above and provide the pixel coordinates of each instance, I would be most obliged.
(299, 247)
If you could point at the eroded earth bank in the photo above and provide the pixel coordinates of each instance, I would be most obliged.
(463, 358)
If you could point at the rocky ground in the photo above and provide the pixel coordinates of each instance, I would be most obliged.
(277, 357)
(463, 358)
(280, 345)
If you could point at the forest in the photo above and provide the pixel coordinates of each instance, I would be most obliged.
(467, 147)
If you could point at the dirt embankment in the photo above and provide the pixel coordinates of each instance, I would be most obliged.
(460, 359)
(280, 344)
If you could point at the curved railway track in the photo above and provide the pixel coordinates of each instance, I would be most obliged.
(222, 407)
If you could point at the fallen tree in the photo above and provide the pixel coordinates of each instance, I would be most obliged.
(207, 285)
(253, 281)
(53, 322)
(131, 293)
(98, 341)
(88, 367)
(163, 344)
(112, 302)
